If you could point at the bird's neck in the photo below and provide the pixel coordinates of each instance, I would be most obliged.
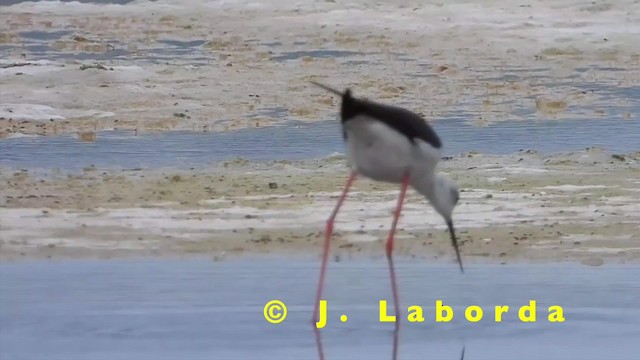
(424, 183)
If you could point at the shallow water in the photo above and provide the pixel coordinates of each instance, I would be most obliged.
(298, 140)
(166, 52)
(294, 55)
(200, 309)
(39, 45)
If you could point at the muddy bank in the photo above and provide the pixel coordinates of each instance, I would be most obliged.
(219, 66)
(578, 206)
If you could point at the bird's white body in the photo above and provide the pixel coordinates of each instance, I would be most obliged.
(378, 152)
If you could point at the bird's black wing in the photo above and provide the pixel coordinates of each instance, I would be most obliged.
(407, 122)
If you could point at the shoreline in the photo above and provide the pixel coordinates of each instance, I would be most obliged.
(579, 206)
(379, 258)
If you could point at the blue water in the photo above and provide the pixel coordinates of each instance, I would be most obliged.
(199, 309)
(297, 140)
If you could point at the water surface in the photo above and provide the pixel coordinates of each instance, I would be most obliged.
(200, 309)
(300, 140)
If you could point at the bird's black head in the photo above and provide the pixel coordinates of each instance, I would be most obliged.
(350, 107)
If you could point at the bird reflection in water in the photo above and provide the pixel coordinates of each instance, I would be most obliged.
(396, 334)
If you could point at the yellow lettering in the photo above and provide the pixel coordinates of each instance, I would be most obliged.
(499, 311)
(473, 309)
(531, 309)
(322, 315)
(383, 313)
(556, 316)
(443, 308)
(416, 315)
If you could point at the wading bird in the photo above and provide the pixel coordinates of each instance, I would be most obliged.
(390, 144)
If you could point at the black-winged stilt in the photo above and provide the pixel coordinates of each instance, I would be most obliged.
(395, 145)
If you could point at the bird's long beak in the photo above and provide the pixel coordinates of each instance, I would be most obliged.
(329, 89)
(462, 356)
(454, 242)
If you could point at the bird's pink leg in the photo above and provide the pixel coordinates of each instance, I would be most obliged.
(327, 238)
(318, 342)
(392, 272)
(395, 343)
(325, 255)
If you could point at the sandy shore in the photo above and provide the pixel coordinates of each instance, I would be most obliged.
(579, 206)
(495, 60)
